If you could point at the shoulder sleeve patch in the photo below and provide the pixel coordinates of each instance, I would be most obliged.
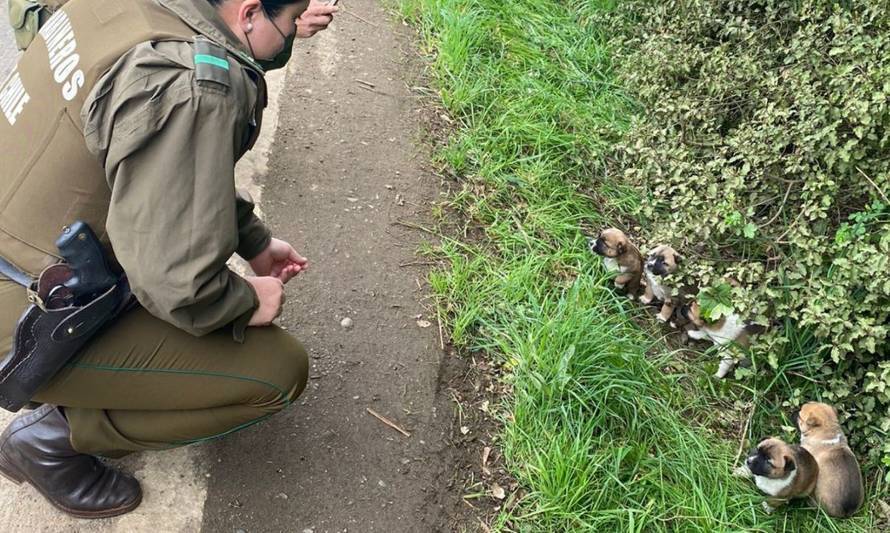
(211, 62)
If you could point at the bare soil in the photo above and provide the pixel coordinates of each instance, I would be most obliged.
(348, 174)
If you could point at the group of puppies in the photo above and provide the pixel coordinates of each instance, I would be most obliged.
(649, 273)
(822, 467)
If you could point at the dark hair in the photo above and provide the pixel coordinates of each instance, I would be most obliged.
(272, 7)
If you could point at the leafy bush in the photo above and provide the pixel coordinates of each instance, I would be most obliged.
(763, 154)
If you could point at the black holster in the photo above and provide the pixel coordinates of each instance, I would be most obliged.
(50, 333)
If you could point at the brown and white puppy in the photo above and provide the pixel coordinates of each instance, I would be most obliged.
(781, 471)
(660, 261)
(839, 490)
(619, 254)
(730, 329)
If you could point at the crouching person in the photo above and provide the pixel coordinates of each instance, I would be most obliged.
(130, 116)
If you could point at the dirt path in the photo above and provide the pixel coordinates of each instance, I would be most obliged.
(344, 167)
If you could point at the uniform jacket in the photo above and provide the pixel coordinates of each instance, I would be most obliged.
(106, 119)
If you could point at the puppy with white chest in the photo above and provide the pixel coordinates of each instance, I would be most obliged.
(782, 471)
(660, 262)
(839, 489)
(619, 254)
(730, 329)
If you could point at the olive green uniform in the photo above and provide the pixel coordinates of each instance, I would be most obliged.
(112, 117)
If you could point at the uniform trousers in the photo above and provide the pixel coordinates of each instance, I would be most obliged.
(143, 384)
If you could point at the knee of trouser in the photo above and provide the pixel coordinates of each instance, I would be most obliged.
(285, 364)
(297, 362)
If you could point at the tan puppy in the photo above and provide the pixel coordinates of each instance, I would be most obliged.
(730, 329)
(781, 471)
(839, 490)
(660, 261)
(619, 254)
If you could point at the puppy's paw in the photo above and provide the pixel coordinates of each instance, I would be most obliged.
(767, 508)
(661, 318)
(645, 300)
(631, 296)
(619, 285)
(743, 472)
(726, 366)
(673, 324)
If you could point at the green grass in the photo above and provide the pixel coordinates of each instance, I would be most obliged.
(605, 429)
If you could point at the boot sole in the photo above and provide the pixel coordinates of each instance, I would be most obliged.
(12, 474)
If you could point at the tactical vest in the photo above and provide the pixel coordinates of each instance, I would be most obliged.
(48, 178)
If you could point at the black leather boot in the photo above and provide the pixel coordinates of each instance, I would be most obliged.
(36, 447)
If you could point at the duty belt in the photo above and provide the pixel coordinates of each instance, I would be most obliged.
(14, 273)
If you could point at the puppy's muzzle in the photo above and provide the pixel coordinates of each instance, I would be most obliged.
(795, 418)
(596, 246)
(756, 464)
(656, 266)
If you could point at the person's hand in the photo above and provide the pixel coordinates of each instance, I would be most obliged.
(316, 18)
(270, 292)
(279, 260)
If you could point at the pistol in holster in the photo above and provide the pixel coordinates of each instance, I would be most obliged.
(69, 302)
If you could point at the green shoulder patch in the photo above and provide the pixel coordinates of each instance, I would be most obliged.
(211, 62)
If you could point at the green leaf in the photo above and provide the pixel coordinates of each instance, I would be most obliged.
(715, 302)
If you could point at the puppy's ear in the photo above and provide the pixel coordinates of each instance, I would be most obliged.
(813, 421)
(621, 248)
(789, 464)
(678, 259)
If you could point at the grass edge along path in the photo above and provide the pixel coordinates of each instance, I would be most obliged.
(598, 430)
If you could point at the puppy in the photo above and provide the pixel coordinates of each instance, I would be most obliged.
(619, 254)
(660, 261)
(839, 490)
(782, 471)
(678, 320)
(730, 329)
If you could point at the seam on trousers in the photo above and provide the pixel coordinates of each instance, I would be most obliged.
(224, 433)
(195, 373)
